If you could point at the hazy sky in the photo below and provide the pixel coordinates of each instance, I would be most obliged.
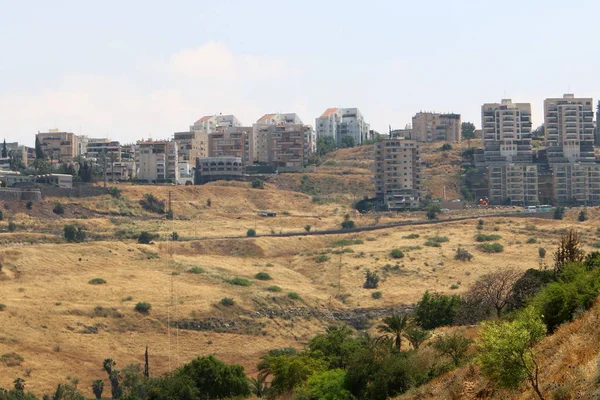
(130, 69)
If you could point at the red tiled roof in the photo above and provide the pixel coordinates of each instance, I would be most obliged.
(265, 117)
(206, 118)
(329, 111)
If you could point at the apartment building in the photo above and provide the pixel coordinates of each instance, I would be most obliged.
(58, 146)
(235, 141)
(19, 152)
(507, 132)
(398, 179)
(101, 147)
(569, 129)
(286, 146)
(265, 132)
(191, 145)
(157, 161)
(340, 122)
(210, 169)
(210, 123)
(514, 184)
(430, 127)
(576, 183)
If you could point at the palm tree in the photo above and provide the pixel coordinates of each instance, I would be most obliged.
(97, 388)
(396, 325)
(416, 336)
(258, 385)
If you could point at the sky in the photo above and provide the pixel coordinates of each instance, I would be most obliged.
(145, 69)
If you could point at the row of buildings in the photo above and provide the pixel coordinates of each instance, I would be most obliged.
(562, 169)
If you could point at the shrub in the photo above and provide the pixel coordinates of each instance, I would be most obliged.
(463, 255)
(433, 210)
(97, 281)
(559, 212)
(239, 281)
(582, 216)
(435, 310)
(432, 244)
(307, 228)
(480, 222)
(438, 239)
(262, 276)
(531, 240)
(321, 258)
(58, 209)
(151, 203)
(596, 245)
(227, 301)
(258, 184)
(146, 237)
(491, 247)
(411, 236)
(293, 296)
(175, 236)
(114, 192)
(376, 295)
(29, 205)
(454, 286)
(12, 226)
(371, 279)
(347, 224)
(479, 227)
(12, 359)
(208, 202)
(250, 232)
(396, 253)
(195, 270)
(1, 215)
(274, 288)
(72, 233)
(212, 378)
(542, 252)
(480, 237)
(142, 307)
(345, 242)
(2, 307)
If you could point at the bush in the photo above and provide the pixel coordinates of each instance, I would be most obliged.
(432, 244)
(208, 202)
(321, 258)
(371, 279)
(345, 242)
(72, 233)
(348, 224)
(412, 236)
(196, 270)
(435, 310)
(239, 281)
(479, 227)
(596, 245)
(433, 210)
(258, 184)
(542, 252)
(293, 296)
(2, 307)
(227, 301)
(97, 281)
(480, 237)
(1, 215)
(480, 222)
(438, 239)
(12, 226)
(531, 240)
(151, 203)
(250, 232)
(146, 237)
(463, 255)
(214, 379)
(142, 307)
(274, 288)
(559, 212)
(491, 247)
(376, 295)
(29, 205)
(396, 253)
(582, 216)
(262, 276)
(58, 209)
(114, 192)
(174, 236)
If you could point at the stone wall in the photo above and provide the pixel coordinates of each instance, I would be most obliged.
(78, 191)
(17, 194)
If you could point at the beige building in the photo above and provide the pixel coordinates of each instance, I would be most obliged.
(576, 183)
(191, 145)
(507, 132)
(58, 146)
(569, 128)
(288, 147)
(157, 161)
(430, 127)
(232, 142)
(398, 173)
(210, 169)
(210, 123)
(515, 184)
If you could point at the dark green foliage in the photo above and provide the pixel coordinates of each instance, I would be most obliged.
(491, 247)
(97, 281)
(321, 258)
(196, 270)
(527, 286)
(542, 252)
(347, 141)
(591, 261)
(416, 336)
(214, 379)
(115, 192)
(151, 203)
(250, 232)
(72, 233)
(293, 296)
(274, 288)
(12, 226)
(436, 309)
(336, 346)
(208, 202)
(453, 345)
(531, 240)
(559, 212)
(29, 205)
(98, 388)
(258, 184)
(325, 145)
(582, 216)
(16, 394)
(468, 130)
(371, 279)
(376, 295)
(480, 222)
(396, 325)
(237, 281)
(58, 209)
(263, 276)
(174, 236)
(143, 307)
(227, 301)
(345, 242)
(348, 224)
(307, 228)
(412, 236)
(462, 255)
(396, 253)
(480, 237)
(432, 210)
(446, 147)
(146, 237)
(1, 215)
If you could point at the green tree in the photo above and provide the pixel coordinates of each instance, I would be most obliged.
(39, 153)
(396, 325)
(347, 141)
(4, 150)
(454, 345)
(336, 346)
(436, 309)
(416, 336)
(259, 386)
(258, 184)
(432, 210)
(215, 379)
(72, 233)
(569, 250)
(468, 130)
(325, 145)
(326, 385)
(291, 371)
(98, 388)
(250, 232)
(507, 355)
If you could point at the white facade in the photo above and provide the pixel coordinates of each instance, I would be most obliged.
(158, 161)
(340, 122)
(210, 123)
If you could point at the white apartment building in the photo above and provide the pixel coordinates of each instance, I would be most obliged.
(339, 122)
(569, 127)
(157, 161)
(210, 123)
(398, 173)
